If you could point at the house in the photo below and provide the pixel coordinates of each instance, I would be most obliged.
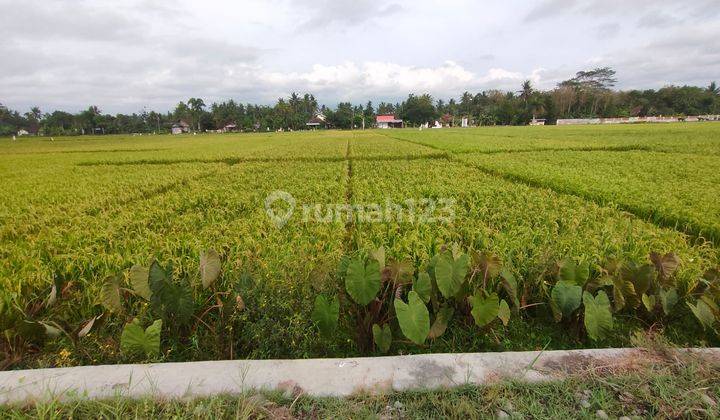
(229, 128)
(388, 121)
(22, 132)
(180, 127)
(317, 121)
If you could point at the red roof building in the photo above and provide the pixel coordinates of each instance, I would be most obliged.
(388, 121)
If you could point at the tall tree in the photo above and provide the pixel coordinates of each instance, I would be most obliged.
(197, 107)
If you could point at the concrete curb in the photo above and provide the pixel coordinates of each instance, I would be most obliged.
(317, 377)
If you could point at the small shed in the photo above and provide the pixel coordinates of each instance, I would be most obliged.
(180, 127)
(230, 128)
(317, 121)
(388, 121)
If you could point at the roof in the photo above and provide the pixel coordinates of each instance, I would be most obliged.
(315, 121)
(388, 118)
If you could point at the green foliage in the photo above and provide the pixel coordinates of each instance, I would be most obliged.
(110, 294)
(136, 341)
(703, 313)
(170, 301)
(574, 273)
(139, 281)
(413, 317)
(382, 337)
(566, 298)
(423, 286)
(484, 309)
(598, 315)
(649, 301)
(668, 299)
(504, 312)
(362, 280)
(450, 273)
(325, 314)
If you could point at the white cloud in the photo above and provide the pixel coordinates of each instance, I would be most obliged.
(351, 81)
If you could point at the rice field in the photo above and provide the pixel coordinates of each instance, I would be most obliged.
(76, 211)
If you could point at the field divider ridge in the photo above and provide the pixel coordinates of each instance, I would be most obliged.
(238, 161)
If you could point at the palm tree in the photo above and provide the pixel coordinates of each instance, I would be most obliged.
(714, 89)
(526, 91)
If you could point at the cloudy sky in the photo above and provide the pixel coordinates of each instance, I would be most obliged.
(123, 55)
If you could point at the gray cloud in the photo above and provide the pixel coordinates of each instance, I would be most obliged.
(345, 12)
(32, 20)
(123, 56)
(657, 20)
(682, 10)
(608, 30)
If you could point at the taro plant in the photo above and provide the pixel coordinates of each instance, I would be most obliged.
(575, 289)
(424, 304)
(703, 299)
(171, 302)
(139, 341)
(650, 287)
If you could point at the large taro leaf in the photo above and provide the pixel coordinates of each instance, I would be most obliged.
(325, 314)
(450, 273)
(504, 312)
(668, 299)
(135, 341)
(110, 294)
(209, 267)
(666, 265)
(703, 313)
(598, 317)
(170, 301)
(573, 273)
(423, 286)
(566, 296)
(382, 337)
(641, 276)
(139, 281)
(362, 280)
(413, 317)
(440, 324)
(484, 309)
(649, 301)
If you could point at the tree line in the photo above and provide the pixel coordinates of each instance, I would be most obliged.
(589, 94)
